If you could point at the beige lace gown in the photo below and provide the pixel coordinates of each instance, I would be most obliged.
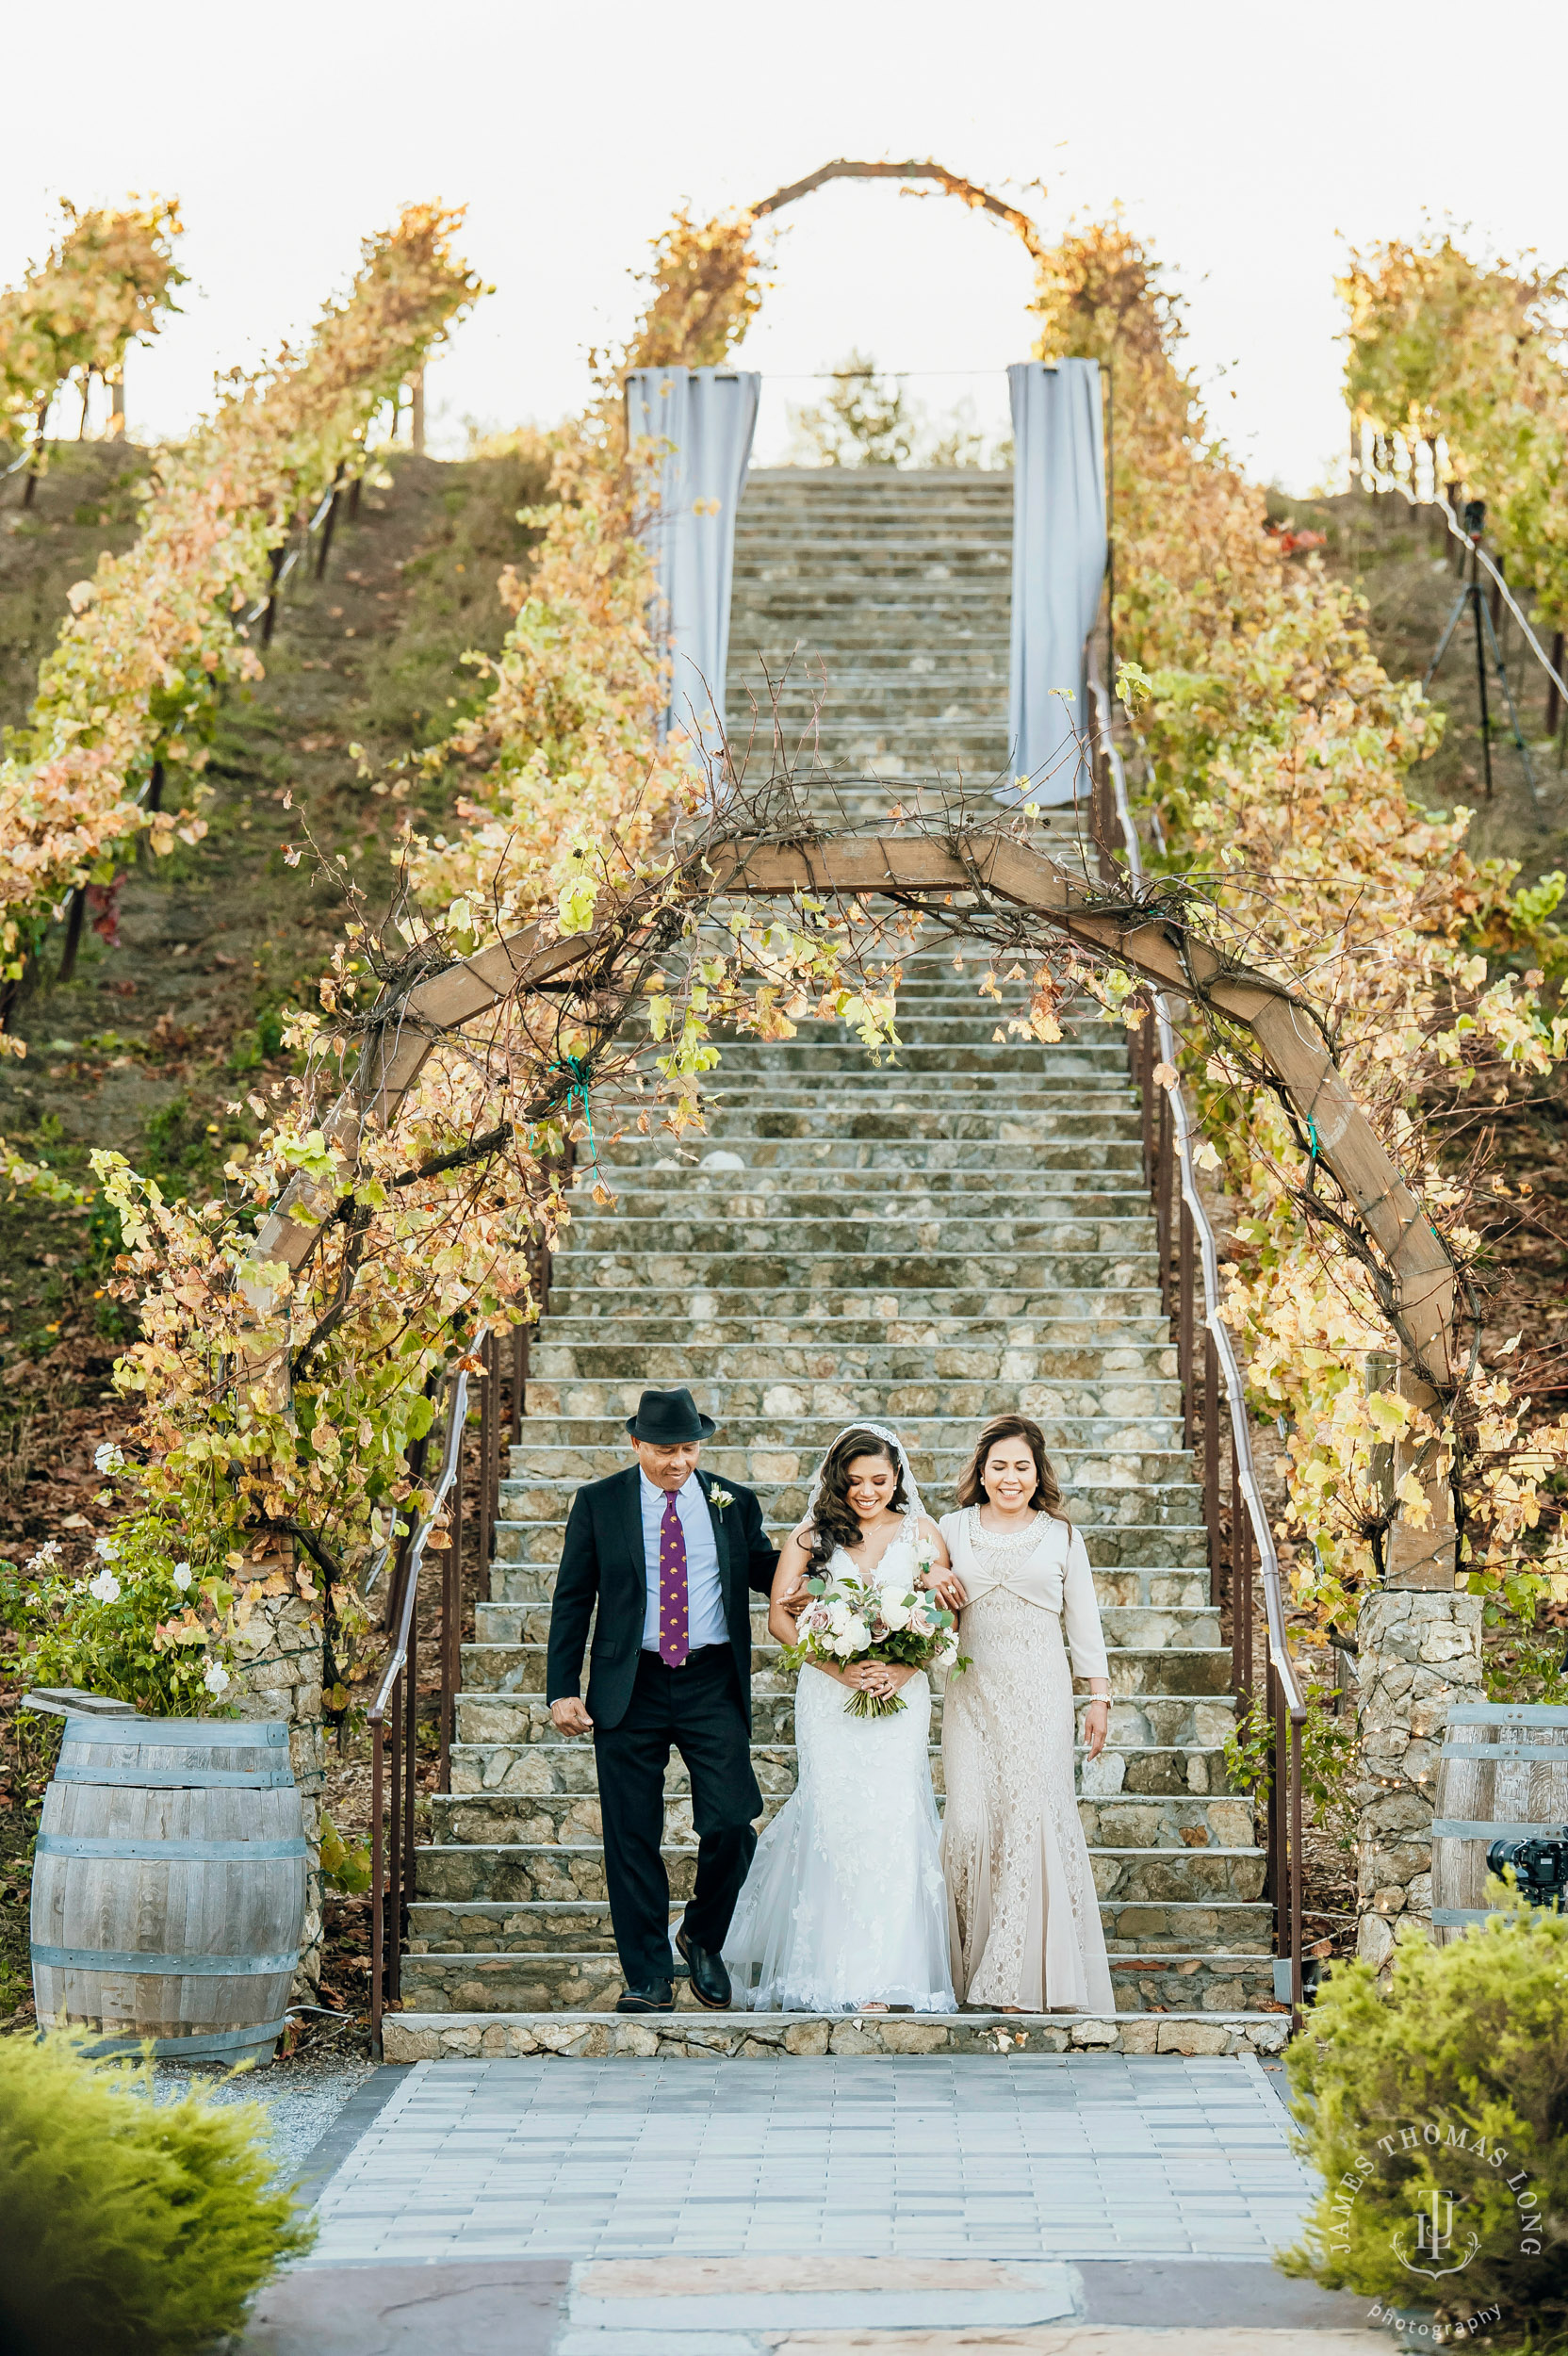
(1023, 1915)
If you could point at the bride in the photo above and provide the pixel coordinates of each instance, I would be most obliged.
(845, 1908)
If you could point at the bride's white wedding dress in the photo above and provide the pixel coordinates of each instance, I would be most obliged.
(845, 1903)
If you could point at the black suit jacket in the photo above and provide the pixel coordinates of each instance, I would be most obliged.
(602, 1563)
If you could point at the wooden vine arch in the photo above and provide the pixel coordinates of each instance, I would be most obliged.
(988, 868)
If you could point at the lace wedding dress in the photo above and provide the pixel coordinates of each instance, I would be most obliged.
(845, 1903)
(1025, 1922)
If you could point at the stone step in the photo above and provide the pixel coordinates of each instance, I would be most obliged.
(774, 1470)
(1173, 1672)
(523, 1780)
(1140, 1511)
(906, 1377)
(412, 2036)
(885, 1345)
(716, 1191)
(928, 1133)
(569, 1869)
(896, 1268)
(486, 1982)
(1116, 1534)
(582, 1927)
(734, 1401)
(1139, 1625)
(775, 1227)
(941, 1442)
(660, 1306)
(1162, 1746)
(519, 1579)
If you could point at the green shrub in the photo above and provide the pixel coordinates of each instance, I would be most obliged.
(1450, 2080)
(132, 2227)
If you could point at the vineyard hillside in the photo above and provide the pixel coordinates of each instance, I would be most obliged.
(171, 1018)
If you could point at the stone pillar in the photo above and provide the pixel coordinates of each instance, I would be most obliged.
(1418, 1653)
(278, 1675)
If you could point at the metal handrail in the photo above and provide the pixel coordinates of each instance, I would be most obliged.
(1214, 1324)
(1288, 1768)
(457, 1415)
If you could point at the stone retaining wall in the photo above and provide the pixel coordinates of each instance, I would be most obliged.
(1419, 1654)
(592, 2036)
(278, 1675)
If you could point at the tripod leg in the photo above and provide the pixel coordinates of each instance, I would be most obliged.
(1508, 698)
(1478, 603)
(1446, 639)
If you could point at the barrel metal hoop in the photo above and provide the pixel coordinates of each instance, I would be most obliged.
(182, 1778)
(180, 2048)
(169, 1852)
(119, 1734)
(1508, 1714)
(162, 1967)
(1543, 1754)
(1455, 1918)
(1486, 1827)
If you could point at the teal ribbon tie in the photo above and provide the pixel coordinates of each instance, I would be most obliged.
(579, 1074)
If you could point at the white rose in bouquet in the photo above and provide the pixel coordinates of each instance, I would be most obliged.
(893, 1609)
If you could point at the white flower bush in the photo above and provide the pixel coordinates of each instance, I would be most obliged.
(216, 1678)
(106, 1587)
(107, 1457)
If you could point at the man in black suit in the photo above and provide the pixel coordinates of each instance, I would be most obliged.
(669, 1557)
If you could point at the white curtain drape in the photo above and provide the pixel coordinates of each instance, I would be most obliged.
(699, 422)
(1058, 563)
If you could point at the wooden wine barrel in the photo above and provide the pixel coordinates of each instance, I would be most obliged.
(168, 1886)
(1502, 1775)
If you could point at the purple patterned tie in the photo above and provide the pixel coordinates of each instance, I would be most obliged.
(674, 1634)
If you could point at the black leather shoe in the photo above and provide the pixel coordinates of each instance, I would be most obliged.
(659, 1996)
(710, 1980)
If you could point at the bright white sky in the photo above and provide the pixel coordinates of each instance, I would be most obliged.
(1242, 136)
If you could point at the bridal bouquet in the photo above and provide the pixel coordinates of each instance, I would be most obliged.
(855, 1619)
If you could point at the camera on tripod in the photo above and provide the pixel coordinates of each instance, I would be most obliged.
(1540, 1866)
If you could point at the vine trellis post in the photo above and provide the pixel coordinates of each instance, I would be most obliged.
(1418, 1640)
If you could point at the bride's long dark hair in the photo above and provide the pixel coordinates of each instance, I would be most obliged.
(836, 1523)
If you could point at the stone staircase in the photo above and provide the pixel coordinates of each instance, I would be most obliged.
(963, 1230)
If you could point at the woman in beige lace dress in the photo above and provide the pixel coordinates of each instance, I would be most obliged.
(1023, 1914)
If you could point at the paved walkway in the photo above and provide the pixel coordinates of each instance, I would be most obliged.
(683, 2208)
(1060, 2156)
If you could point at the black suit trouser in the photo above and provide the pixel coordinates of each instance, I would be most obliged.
(696, 1710)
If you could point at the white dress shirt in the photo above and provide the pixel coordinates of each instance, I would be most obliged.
(705, 1620)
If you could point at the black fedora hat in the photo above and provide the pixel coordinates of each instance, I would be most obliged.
(669, 1417)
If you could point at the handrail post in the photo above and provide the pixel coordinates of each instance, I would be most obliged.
(1211, 1459)
(1185, 1350)
(1162, 1194)
(394, 1838)
(488, 1403)
(1277, 1819)
(1147, 1060)
(397, 1701)
(1298, 1867)
(378, 1863)
(411, 1786)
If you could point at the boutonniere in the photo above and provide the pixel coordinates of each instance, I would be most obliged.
(718, 1498)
